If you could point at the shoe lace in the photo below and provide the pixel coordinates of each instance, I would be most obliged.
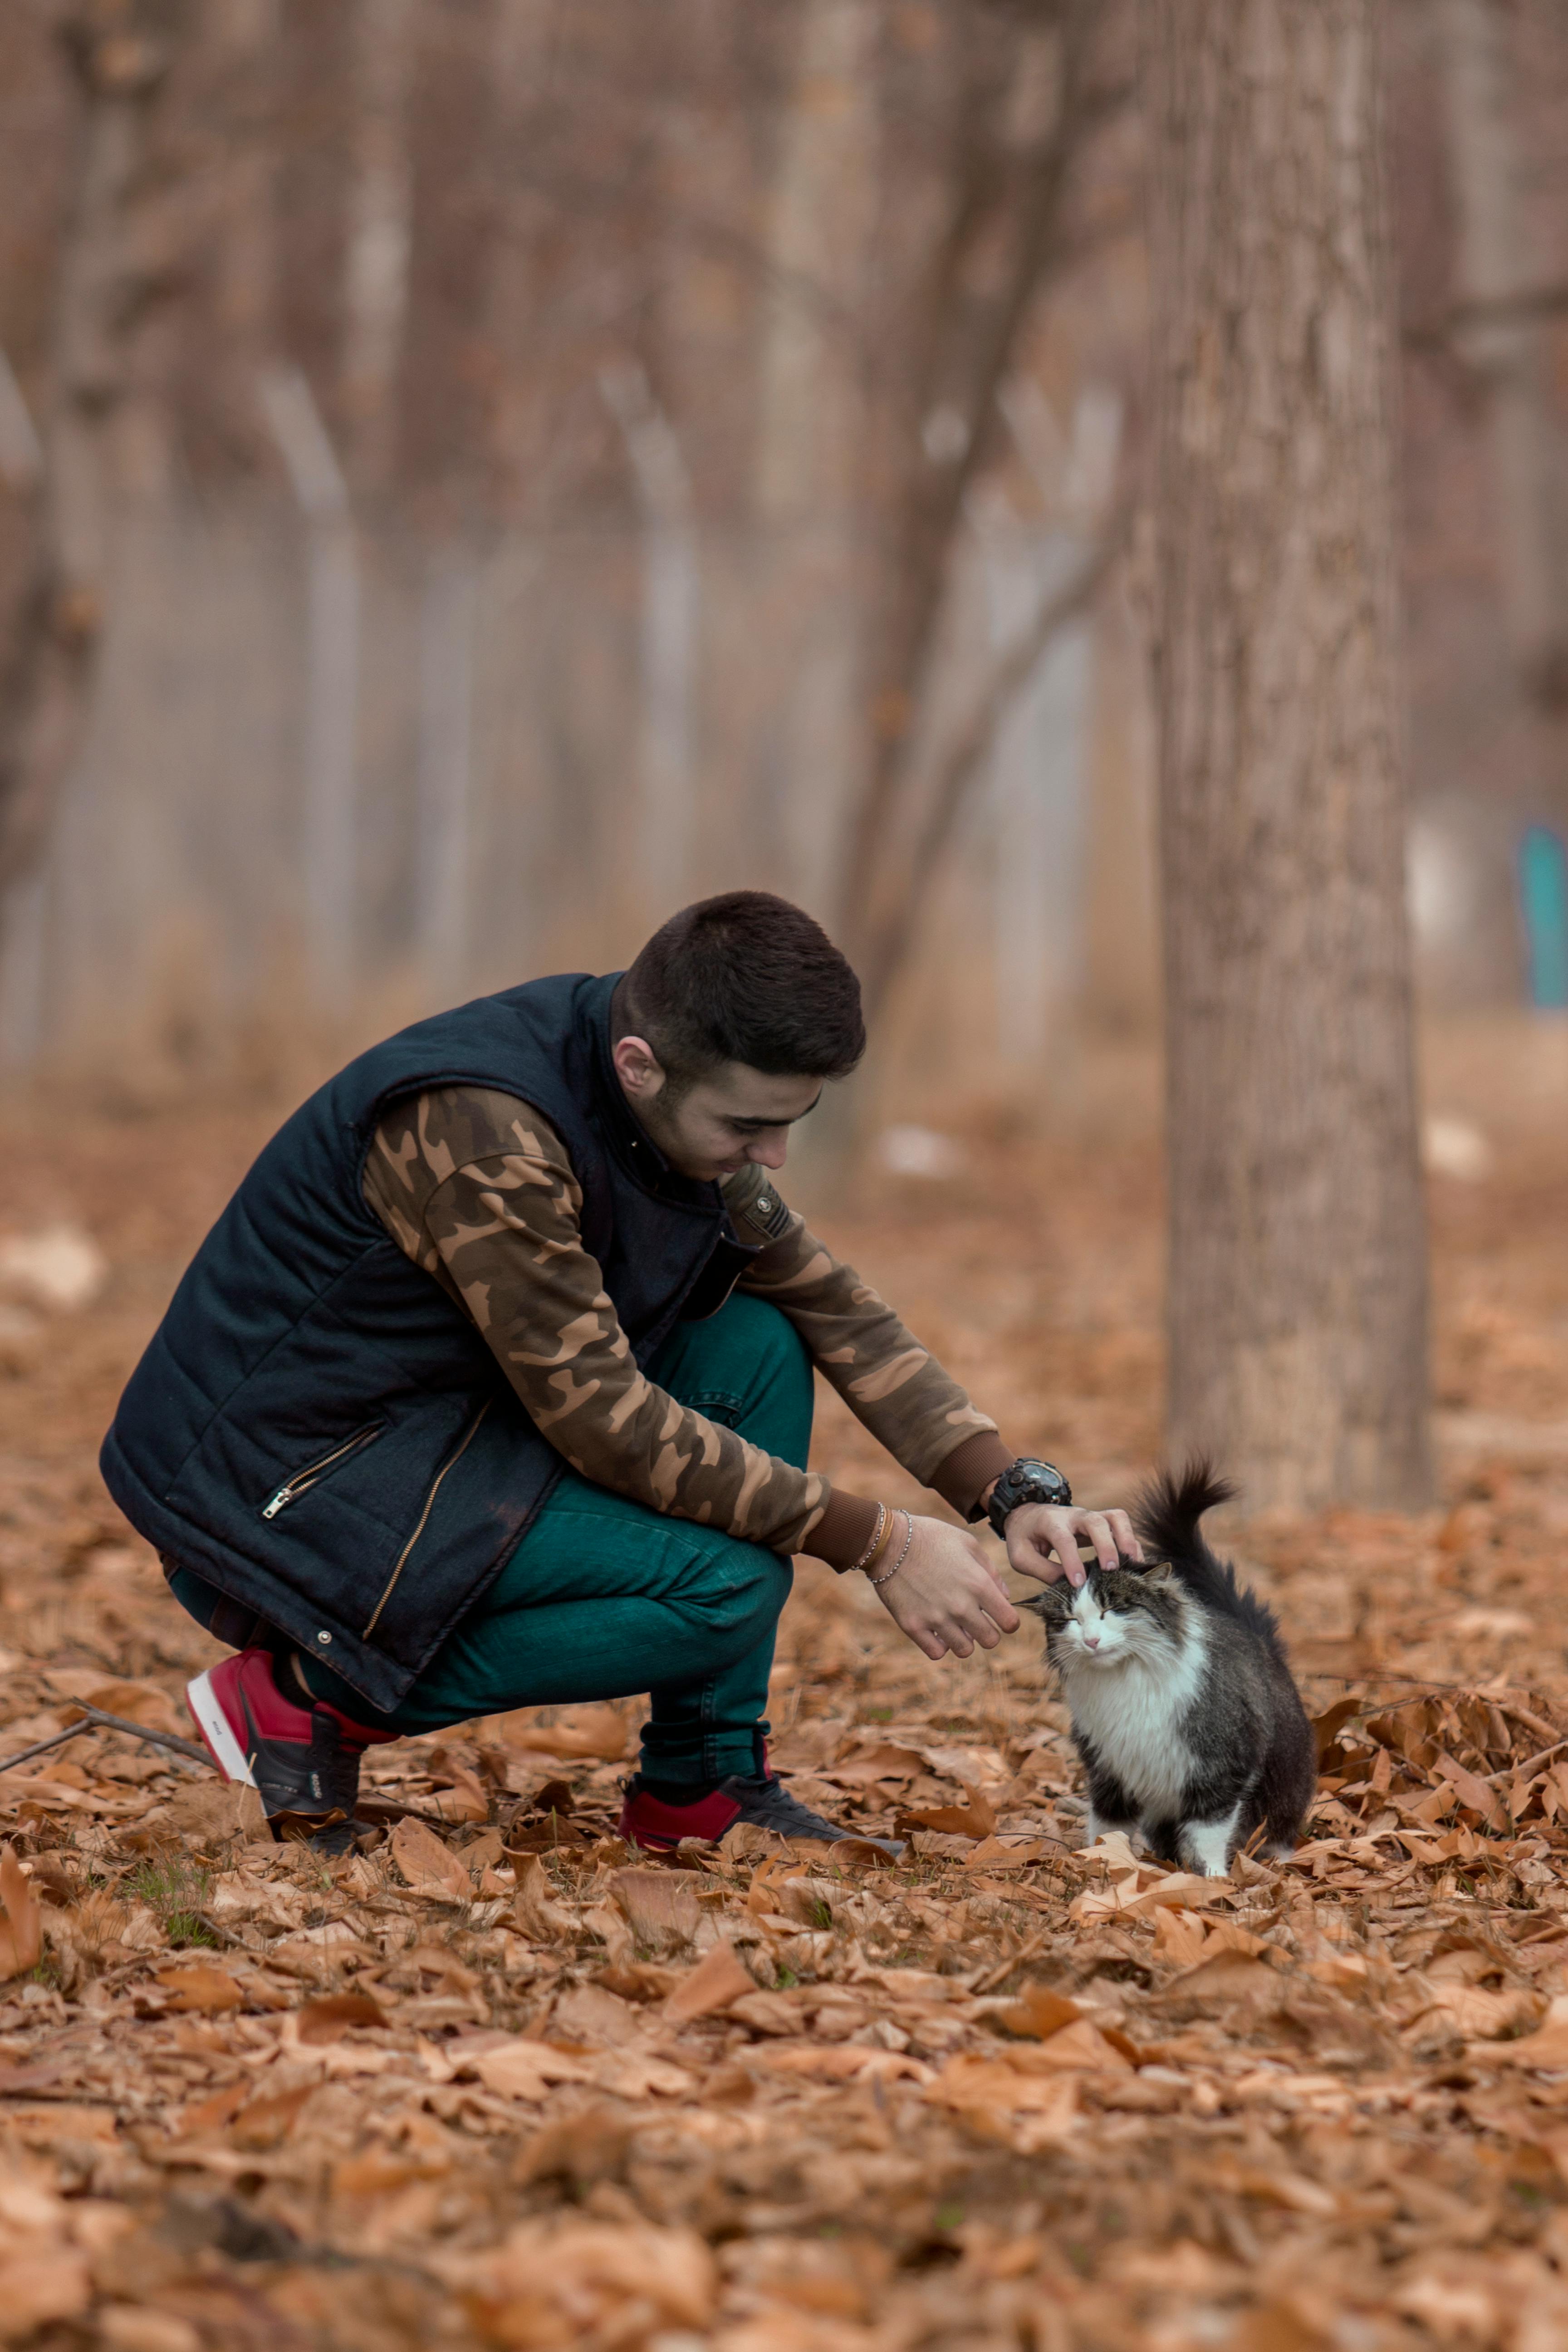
(339, 1772)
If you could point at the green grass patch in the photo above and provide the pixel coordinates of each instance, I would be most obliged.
(175, 1890)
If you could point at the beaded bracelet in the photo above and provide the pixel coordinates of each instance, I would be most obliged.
(878, 1538)
(908, 1539)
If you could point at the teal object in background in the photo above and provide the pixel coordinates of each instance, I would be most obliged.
(1543, 902)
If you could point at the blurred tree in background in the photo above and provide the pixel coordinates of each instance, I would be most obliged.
(1298, 1273)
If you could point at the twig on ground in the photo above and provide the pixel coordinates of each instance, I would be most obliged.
(96, 1717)
(1530, 1764)
(1549, 1731)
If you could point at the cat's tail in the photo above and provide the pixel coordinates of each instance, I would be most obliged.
(1167, 1512)
(1166, 1516)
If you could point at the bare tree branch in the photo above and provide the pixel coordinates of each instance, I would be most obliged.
(965, 756)
(967, 354)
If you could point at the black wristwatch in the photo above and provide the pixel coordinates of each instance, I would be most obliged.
(1022, 1482)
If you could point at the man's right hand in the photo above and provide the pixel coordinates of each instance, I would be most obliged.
(946, 1596)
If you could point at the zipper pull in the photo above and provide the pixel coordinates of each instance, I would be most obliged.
(269, 1510)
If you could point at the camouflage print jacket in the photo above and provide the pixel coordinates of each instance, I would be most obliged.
(475, 1187)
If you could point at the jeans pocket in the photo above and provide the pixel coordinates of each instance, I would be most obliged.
(717, 1404)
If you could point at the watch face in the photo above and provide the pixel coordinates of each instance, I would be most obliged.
(1032, 1482)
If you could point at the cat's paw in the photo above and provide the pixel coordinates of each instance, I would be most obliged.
(1204, 1847)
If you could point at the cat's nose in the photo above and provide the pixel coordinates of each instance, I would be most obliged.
(1091, 1641)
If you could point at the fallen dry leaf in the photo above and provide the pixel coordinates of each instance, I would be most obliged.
(534, 1907)
(1232, 1976)
(325, 2018)
(585, 2273)
(976, 1819)
(521, 2069)
(1038, 2012)
(200, 1988)
(1026, 2112)
(429, 1866)
(719, 1979)
(22, 1933)
(660, 1905)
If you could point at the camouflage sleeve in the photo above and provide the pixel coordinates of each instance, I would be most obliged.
(893, 1386)
(478, 1189)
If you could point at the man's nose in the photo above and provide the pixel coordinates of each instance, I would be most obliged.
(769, 1150)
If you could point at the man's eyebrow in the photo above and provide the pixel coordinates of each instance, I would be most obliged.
(736, 1121)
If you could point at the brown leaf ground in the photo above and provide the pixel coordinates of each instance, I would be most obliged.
(495, 2083)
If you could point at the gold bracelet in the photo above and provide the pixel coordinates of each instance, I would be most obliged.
(908, 1539)
(878, 1538)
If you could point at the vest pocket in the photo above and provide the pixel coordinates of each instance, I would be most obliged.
(450, 1464)
(300, 1482)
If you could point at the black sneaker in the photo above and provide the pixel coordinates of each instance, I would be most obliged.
(758, 1797)
(303, 1763)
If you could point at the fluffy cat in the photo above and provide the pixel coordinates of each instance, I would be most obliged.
(1184, 1711)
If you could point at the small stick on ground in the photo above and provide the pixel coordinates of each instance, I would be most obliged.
(1531, 1722)
(1530, 1764)
(95, 1719)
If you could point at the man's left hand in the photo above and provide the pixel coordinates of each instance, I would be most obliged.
(1042, 1540)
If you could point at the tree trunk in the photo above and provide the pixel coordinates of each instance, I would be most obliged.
(1297, 1294)
(46, 680)
(1506, 342)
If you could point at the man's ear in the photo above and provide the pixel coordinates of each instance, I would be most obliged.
(639, 1068)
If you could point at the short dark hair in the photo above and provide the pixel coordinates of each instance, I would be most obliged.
(745, 977)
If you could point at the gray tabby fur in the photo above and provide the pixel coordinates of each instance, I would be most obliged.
(1189, 1726)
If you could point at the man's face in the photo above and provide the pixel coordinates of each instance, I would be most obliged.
(734, 1116)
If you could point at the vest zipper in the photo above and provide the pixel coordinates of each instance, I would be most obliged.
(451, 1462)
(297, 1482)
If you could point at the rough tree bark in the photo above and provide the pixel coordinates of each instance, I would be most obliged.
(119, 56)
(1297, 1287)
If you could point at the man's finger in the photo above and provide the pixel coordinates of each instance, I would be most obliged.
(1060, 1529)
(999, 1608)
(1126, 1539)
(1097, 1529)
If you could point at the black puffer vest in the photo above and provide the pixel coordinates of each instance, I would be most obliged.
(316, 1428)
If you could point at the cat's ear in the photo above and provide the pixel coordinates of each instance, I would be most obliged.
(1158, 1574)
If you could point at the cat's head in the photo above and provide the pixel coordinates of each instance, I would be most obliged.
(1116, 1615)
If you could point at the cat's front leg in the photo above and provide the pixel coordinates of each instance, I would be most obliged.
(1204, 1847)
(1109, 1806)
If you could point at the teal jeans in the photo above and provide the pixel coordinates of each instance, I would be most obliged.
(604, 1599)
